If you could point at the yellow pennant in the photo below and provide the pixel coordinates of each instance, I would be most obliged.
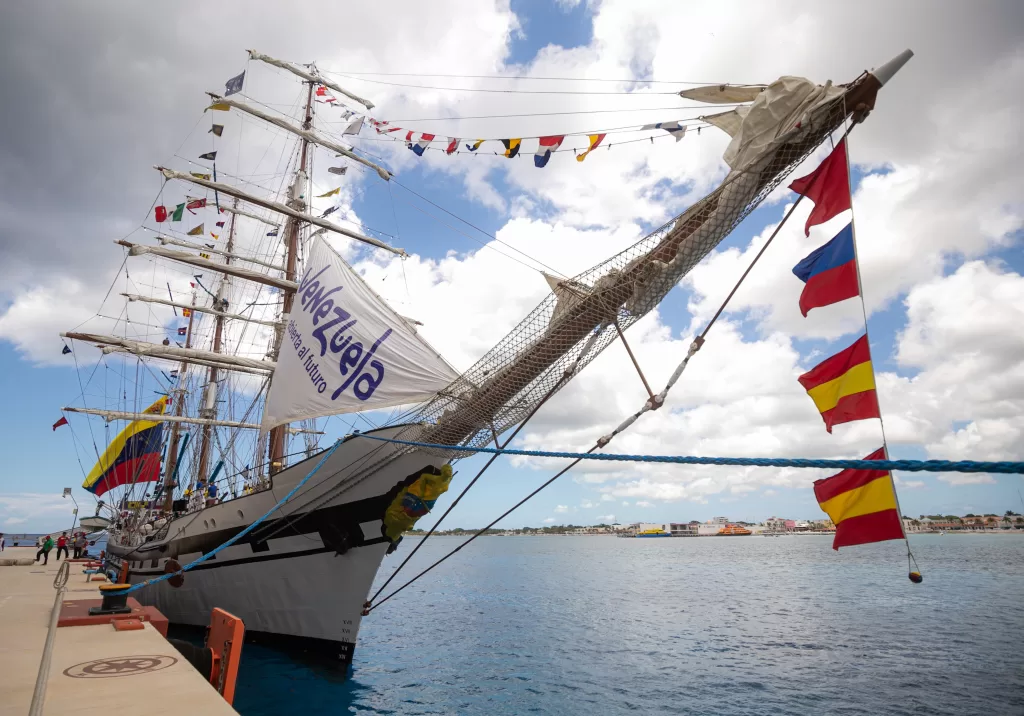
(330, 193)
(197, 175)
(223, 107)
(198, 231)
(595, 139)
(216, 236)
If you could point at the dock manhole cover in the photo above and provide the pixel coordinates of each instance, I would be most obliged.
(119, 666)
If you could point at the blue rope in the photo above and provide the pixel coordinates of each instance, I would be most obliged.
(240, 535)
(1010, 468)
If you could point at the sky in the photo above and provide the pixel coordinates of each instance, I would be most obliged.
(96, 95)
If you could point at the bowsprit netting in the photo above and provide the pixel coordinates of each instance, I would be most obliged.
(578, 320)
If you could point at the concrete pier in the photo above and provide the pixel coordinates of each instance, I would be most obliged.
(94, 669)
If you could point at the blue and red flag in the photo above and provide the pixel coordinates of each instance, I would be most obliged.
(421, 145)
(544, 149)
(133, 456)
(829, 272)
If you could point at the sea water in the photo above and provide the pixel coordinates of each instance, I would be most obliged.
(740, 625)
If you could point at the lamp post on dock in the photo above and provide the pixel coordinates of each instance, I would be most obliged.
(74, 520)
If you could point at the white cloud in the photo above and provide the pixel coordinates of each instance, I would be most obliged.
(606, 519)
(644, 503)
(40, 512)
(561, 509)
(770, 493)
(549, 521)
(587, 505)
(966, 478)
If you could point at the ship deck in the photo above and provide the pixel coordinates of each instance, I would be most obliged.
(26, 598)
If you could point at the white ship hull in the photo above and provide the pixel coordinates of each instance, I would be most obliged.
(302, 576)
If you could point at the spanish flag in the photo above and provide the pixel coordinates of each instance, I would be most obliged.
(133, 456)
(862, 503)
(843, 386)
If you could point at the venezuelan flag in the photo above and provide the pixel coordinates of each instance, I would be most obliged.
(133, 456)
(843, 386)
(829, 272)
(862, 504)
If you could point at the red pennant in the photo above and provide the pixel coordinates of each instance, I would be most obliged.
(161, 214)
(62, 421)
(828, 187)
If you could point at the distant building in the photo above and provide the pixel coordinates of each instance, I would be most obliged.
(720, 521)
(775, 525)
(683, 529)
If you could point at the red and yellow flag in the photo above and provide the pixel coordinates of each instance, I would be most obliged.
(843, 386)
(862, 503)
(595, 139)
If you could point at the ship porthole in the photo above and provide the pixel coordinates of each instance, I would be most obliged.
(240, 515)
(206, 524)
(213, 523)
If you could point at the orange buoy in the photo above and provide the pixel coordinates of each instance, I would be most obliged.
(916, 577)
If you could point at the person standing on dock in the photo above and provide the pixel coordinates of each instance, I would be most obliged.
(62, 544)
(79, 544)
(44, 549)
(1, 541)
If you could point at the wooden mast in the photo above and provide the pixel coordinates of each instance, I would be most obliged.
(179, 407)
(277, 435)
(209, 409)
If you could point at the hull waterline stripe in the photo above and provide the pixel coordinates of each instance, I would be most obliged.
(1003, 467)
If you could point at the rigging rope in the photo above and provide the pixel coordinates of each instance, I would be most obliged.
(966, 466)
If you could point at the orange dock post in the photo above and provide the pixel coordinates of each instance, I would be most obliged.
(224, 639)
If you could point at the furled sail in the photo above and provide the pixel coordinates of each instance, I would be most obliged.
(202, 309)
(110, 415)
(723, 94)
(193, 260)
(306, 134)
(143, 348)
(729, 122)
(278, 207)
(346, 350)
(165, 240)
(307, 76)
(780, 109)
(107, 350)
(243, 212)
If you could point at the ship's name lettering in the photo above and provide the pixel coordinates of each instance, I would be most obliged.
(333, 327)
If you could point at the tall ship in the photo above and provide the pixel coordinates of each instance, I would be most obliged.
(218, 464)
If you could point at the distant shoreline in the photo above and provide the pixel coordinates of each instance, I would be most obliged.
(470, 533)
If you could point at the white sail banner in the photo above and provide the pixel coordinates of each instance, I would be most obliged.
(345, 350)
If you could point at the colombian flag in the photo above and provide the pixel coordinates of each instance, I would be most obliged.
(862, 503)
(843, 386)
(829, 272)
(133, 456)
